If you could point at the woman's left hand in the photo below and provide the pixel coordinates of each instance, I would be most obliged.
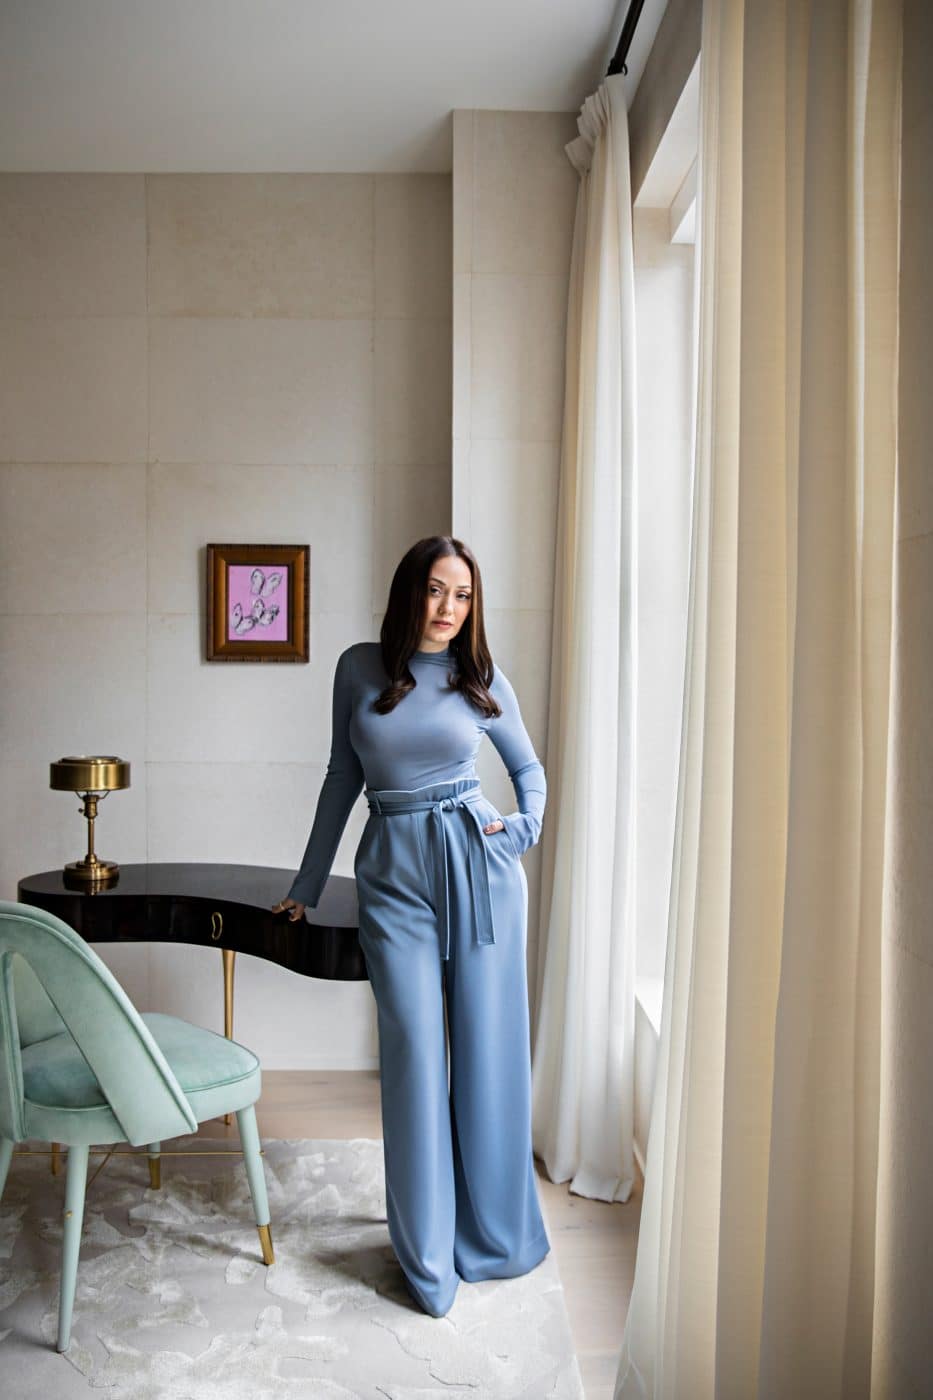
(494, 826)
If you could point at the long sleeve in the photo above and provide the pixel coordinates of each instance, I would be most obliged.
(510, 737)
(343, 783)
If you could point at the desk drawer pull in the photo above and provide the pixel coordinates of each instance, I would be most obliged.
(217, 925)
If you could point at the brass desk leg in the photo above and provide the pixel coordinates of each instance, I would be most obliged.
(229, 957)
(155, 1166)
(55, 1158)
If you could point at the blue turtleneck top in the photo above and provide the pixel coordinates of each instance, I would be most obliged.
(432, 736)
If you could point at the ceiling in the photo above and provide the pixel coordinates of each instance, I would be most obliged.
(286, 85)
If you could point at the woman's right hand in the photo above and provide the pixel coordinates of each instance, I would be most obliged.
(296, 910)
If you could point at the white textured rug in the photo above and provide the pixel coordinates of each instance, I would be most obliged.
(173, 1302)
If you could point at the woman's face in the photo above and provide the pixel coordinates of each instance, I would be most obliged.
(450, 595)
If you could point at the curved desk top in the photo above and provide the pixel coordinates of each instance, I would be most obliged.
(217, 906)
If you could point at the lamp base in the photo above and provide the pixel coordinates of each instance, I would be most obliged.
(91, 872)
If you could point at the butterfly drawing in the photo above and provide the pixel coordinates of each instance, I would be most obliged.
(261, 614)
(260, 586)
(258, 616)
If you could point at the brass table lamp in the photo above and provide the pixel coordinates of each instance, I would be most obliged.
(90, 777)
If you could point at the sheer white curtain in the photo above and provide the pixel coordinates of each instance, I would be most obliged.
(584, 1037)
(755, 1265)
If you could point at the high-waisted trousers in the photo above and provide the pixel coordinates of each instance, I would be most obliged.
(443, 921)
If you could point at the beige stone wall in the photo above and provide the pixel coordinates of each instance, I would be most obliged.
(514, 198)
(193, 358)
(261, 357)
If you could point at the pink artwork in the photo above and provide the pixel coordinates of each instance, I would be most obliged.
(257, 599)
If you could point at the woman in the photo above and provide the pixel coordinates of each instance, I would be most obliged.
(443, 907)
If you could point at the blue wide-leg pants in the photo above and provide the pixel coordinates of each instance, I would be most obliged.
(443, 925)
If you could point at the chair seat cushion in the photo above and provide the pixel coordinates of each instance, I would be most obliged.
(217, 1075)
(200, 1059)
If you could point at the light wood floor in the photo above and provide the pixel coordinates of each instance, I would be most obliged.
(594, 1242)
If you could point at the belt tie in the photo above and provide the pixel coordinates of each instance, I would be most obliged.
(477, 858)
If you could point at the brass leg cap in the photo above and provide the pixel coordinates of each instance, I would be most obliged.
(155, 1173)
(265, 1239)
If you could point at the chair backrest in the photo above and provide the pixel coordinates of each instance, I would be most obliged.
(52, 981)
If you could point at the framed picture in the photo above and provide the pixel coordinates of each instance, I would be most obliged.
(257, 602)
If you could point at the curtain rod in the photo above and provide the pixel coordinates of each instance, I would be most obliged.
(618, 64)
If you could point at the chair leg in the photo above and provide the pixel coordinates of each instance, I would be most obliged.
(55, 1158)
(249, 1137)
(75, 1183)
(6, 1157)
(155, 1165)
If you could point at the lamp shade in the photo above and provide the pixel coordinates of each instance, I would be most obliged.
(89, 773)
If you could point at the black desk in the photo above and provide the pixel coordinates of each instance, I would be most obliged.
(217, 906)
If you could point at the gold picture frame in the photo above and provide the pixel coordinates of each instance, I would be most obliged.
(257, 602)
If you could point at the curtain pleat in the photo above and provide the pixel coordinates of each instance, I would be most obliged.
(755, 1264)
(583, 1077)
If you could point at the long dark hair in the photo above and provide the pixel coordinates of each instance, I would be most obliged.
(403, 628)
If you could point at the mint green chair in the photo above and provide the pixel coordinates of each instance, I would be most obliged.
(80, 1065)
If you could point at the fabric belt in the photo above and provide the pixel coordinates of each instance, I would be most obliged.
(388, 802)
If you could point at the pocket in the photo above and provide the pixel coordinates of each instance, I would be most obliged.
(503, 836)
(508, 836)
